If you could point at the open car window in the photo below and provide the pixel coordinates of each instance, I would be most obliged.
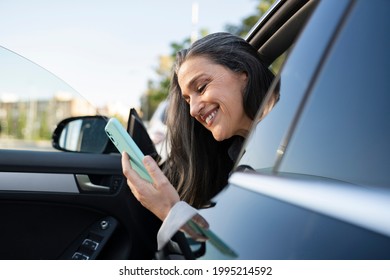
(32, 102)
(291, 83)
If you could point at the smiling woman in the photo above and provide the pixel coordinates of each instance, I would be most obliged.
(314, 171)
(203, 157)
(217, 86)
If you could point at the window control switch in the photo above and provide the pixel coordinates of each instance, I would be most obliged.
(90, 244)
(79, 256)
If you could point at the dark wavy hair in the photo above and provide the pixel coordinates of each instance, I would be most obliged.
(198, 165)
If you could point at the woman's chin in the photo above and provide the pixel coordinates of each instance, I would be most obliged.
(218, 136)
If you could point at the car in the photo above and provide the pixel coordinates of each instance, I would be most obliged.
(313, 179)
(311, 182)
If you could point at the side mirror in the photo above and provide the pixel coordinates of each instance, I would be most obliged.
(81, 134)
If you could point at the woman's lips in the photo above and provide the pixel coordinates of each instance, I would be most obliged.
(209, 117)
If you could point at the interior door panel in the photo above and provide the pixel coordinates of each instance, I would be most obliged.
(57, 205)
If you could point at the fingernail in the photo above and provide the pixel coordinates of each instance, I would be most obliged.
(147, 160)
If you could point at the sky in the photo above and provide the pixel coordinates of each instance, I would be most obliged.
(108, 50)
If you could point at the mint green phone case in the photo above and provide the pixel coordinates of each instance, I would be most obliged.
(123, 142)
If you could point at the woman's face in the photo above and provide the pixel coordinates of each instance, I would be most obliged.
(215, 96)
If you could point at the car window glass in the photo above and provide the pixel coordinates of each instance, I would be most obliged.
(262, 148)
(32, 102)
(344, 131)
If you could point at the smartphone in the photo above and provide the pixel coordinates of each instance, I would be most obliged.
(124, 143)
(213, 239)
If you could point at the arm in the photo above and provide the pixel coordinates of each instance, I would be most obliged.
(160, 197)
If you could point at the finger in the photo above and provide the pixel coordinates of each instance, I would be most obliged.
(126, 166)
(125, 162)
(127, 169)
(155, 171)
(134, 181)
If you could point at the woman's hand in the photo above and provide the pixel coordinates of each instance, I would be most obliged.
(158, 197)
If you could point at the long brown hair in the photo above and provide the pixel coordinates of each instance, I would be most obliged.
(198, 165)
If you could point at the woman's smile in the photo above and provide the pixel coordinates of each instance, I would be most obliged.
(209, 117)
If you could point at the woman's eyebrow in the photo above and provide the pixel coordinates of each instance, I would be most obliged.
(193, 80)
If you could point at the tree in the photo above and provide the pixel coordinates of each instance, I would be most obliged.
(248, 22)
(157, 90)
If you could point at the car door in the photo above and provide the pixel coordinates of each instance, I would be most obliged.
(313, 180)
(56, 204)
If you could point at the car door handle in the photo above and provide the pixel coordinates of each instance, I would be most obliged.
(86, 185)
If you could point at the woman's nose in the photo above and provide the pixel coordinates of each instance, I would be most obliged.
(196, 105)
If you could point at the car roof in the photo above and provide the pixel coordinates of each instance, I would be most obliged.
(277, 30)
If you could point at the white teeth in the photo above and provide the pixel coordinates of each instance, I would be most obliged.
(210, 117)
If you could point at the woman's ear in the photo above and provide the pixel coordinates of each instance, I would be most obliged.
(271, 102)
(243, 77)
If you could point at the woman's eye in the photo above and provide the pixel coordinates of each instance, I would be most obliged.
(201, 88)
